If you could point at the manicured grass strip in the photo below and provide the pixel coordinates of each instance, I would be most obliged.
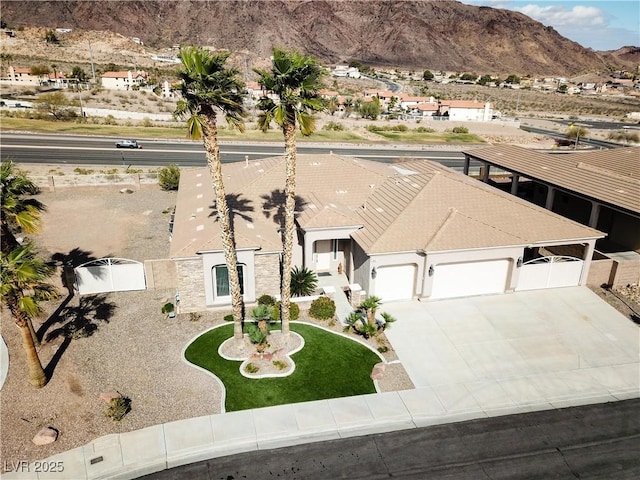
(329, 366)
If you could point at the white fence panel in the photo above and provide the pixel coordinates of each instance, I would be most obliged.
(110, 275)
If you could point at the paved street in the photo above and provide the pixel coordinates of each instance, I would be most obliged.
(590, 442)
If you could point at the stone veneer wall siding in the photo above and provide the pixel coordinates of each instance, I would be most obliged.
(267, 268)
(191, 285)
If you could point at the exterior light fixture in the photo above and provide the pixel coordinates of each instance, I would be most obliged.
(374, 273)
(519, 262)
(431, 270)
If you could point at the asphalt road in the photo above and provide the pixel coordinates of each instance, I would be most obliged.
(82, 150)
(599, 441)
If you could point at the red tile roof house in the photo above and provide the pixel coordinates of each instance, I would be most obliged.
(123, 80)
(414, 230)
(22, 76)
(598, 188)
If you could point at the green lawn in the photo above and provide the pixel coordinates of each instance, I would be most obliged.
(329, 366)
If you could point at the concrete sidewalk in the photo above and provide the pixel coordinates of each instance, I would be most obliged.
(477, 384)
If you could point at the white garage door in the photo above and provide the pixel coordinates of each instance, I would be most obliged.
(395, 282)
(471, 278)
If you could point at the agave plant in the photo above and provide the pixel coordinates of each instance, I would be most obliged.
(303, 282)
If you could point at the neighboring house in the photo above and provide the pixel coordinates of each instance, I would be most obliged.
(402, 231)
(123, 80)
(465, 110)
(345, 71)
(599, 188)
(22, 76)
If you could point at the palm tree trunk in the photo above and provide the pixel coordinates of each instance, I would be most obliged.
(228, 243)
(37, 377)
(289, 224)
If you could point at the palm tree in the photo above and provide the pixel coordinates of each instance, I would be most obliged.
(295, 79)
(18, 212)
(22, 287)
(207, 87)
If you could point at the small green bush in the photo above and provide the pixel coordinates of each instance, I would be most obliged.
(83, 171)
(251, 368)
(279, 364)
(460, 130)
(322, 308)
(169, 177)
(256, 336)
(333, 127)
(117, 408)
(228, 317)
(294, 311)
(266, 300)
(195, 316)
(425, 130)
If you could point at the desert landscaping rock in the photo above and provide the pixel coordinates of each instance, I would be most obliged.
(378, 371)
(108, 396)
(45, 436)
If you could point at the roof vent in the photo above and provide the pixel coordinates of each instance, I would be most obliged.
(250, 225)
(199, 228)
(380, 210)
(341, 191)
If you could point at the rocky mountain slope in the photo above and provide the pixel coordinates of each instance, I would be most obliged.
(417, 34)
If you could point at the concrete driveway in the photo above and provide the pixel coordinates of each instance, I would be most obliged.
(507, 352)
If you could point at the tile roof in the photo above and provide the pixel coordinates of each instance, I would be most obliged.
(436, 209)
(416, 205)
(608, 176)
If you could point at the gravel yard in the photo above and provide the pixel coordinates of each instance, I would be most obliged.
(124, 343)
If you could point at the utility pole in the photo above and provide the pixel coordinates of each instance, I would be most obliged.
(93, 69)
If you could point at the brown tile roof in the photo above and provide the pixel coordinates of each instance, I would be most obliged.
(436, 209)
(412, 206)
(330, 189)
(609, 176)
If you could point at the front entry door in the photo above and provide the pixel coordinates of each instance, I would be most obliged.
(323, 255)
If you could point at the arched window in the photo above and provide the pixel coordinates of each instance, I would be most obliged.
(221, 280)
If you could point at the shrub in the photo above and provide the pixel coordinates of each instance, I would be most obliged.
(83, 171)
(266, 300)
(251, 368)
(228, 317)
(322, 308)
(279, 364)
(460, 130)
(117, 408)
(333, 127)
(167, 308)
(169, 177)
(195, 316)
(425, 130)
(294, 311)
(256, 336)
(303, 282)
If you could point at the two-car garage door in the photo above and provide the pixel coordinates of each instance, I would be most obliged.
(470, 278)
(398, 282)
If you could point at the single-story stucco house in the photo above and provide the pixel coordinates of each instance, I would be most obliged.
(411, 230)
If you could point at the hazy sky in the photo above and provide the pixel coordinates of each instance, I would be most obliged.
(601, 25)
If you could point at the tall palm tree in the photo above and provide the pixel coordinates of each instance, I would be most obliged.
(295, 80)
(208, 87)
(18, 212)
(23, 285)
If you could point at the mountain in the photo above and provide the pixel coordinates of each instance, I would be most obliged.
(418, 34)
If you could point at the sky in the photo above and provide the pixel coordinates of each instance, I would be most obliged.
(597, 24)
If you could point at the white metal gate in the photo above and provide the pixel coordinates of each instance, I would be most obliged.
(550, 272)
(110, 275)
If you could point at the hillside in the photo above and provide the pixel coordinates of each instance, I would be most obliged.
(418, 34)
